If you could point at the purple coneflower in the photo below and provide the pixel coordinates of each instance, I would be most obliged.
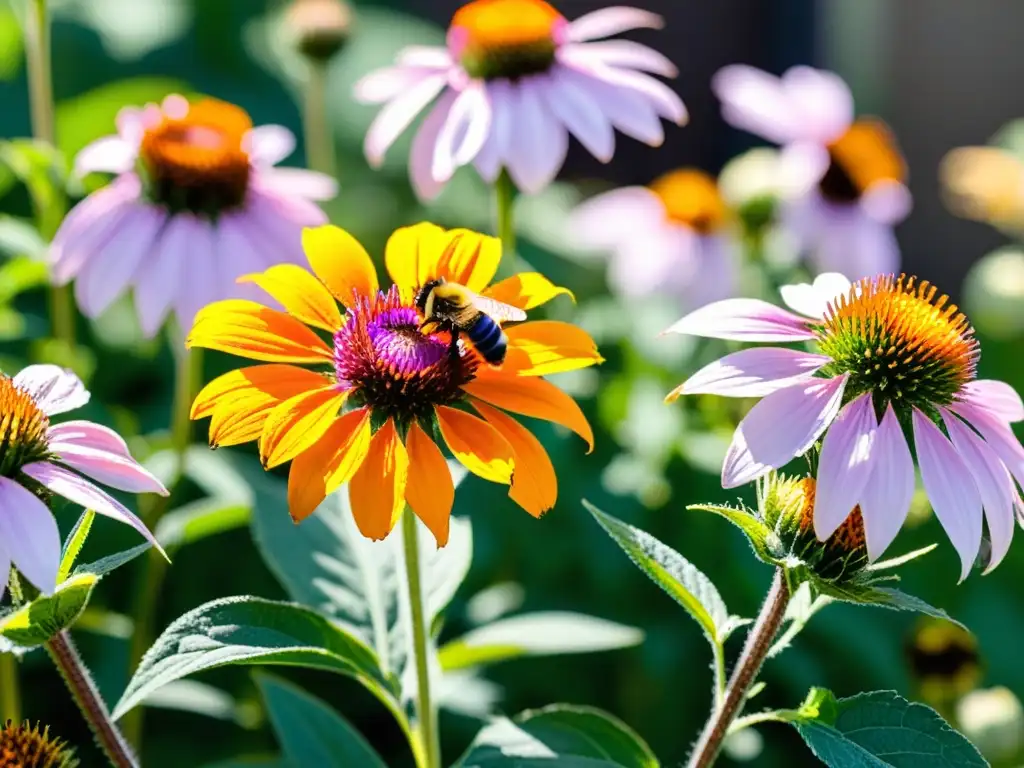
(894, 368)
(197, 203)
(515, 79)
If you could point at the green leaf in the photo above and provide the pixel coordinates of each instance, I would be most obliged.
(895, 562)
(879, 729)
(105, 565)
(73, 544)
(200, 699)
(883, 597)
(20, 238)
(250, 631)
(760, 536)
(310, 732)
(39, 620)
(20, 274)
(673, 573)
(199, 519)
(536, 634)
(12, 44)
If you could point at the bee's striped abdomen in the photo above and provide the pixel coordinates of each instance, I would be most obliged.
(488, 338)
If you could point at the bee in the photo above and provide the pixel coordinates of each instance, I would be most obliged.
(454, 308)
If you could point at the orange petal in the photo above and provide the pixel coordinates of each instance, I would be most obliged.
(302, 295)
(248, 329)
(526, 290)
(411, 255)
(297, 423)
(469, 258)
(340, 262)
(543, 347)
(430, 491)
(331, 461)
(377, 489)
(478, 445)
(532, 397)
(534, 484)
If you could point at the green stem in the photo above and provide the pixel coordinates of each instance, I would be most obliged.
(426, 715)
(505, 195)
(320, 155)
(64, 654)
(719, 663)
(10, 693)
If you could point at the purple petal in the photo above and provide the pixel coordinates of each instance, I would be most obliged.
(464, 132)
(425, 57)
(80, 491)
(887, 202)
(297, 209)
(820, 101)
(538, 145)
(754, 372)
(885, 499)
(120, 472)
(664, 100)
(111, 154)
(579, 113)
(383, 85)
(624, 108)
(843, 238)
(718, 261)
(199, 284)
(281, 234)
(655, 261)
(625, 53)
(780, 427)
(88, 435)
(160, 277)
(130, 125)
(800, 167)
(995, 486)
(396, 116)
(30, 535)
(237, 255)
(845, 465)
(998, 436)
(611, 21)
(298, 182)
(614, 218)
(491, 157)
(743, 320)
(755, 101)
(421, 155)
(54, 389)
(951, 490)
(813, 299)
(268, 145)
(996, 397)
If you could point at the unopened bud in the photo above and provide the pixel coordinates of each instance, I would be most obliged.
(994, 291)
(994, 720)
(319, 28)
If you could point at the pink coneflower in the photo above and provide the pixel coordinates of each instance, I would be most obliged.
(196, 204)
(37, 459)
(515, 79)
(895, 361)
(846, 177)
(669, 238)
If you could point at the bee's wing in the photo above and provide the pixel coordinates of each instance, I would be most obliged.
(499, 311)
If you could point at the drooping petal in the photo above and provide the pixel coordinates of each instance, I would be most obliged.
(538, 145)
(743, 320)
(780, 427)
(297, 186)
(331, 461)
(752, 373)
(998, 435)
(302, 295)
(628, 55)
(624, 108)
(887, 202)
(526, 290)
(110, 154)
(755, 101)
(383, 85)
(341, 263)
(544, 347)
(813, 299)
(951, 489)
(421, 154)
(29, 535)
(532, 397)
(113, 469)
(54, 389)
(248, 329)
(89, 435)
(819, 101)
(412, 253)
(663, 99)
(579, 113)
(464, 132)
(606, 22)
(534, 483)
(377, 489)
(425, 56)
(885, 499)
(269, 144)
(430, 491)
(159, 278)
(477, 445)
(396, 116)
(491, 158)
(296, 424)
(994, 396)
(200, 284)
(845, 465)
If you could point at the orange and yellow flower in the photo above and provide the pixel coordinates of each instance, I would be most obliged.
(382, 394)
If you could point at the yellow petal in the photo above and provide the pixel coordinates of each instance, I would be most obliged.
(533, 397)
(430, 491)
(469, 258)
(302, 295)
(248, 329)
(543, 347)
(377, 489)
(534, 483)
(412, 254)
(297, 423)
(526, 290)
(341, 263)
(331, 461)
(478, 445)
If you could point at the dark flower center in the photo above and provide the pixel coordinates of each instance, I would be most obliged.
(23, 427)
(866, 154)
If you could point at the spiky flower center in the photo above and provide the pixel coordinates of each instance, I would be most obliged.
(691, 198)
(899, 339)
(22, 746)
(23, 427)
(505, 38)
(865, 155)
(395, 369)
(197, 162)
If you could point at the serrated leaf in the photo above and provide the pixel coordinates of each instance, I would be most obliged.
(112, 562)
(74, 543)
(310, 732)
(37, 621)
(882, 597)
(758, 534)
(687, 585)
(198, 519)
(536, 634)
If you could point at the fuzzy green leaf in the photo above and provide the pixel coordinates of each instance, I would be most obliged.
(37, 621)
(74, 543)
(105, 565)
(883, 597)
(758, 534)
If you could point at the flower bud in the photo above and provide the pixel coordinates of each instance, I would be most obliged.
(319, 28)
(994, 720)
(749, 184)
(993, 292)
(22, 746)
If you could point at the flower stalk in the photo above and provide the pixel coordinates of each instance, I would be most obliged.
(505, 195)
(320, 153)
(10, 693)
(759, 642)
(64, 654)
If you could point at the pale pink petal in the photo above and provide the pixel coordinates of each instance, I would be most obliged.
(89, 435)
(780, 427)
(845, 465)
(611, 21)
(664, 100)
(951, 490)
(464, 132)
(885, 499)
(237, 255)
(421, 155)
(159, 279)
(425, 57)
(821, 103)
(653, 262)
(538, 145)
(111, 154)
(625, 53)
(614, 218)
(755, 101)
(843, 238)
(743, 320)
(292, 208)
(130, 125)
(887, 202)
(998, 397)
(998, 435)
(281, 234)
(800, 167)
(54, 389)
(396, 116)
(30, 535)
(383, 85)
(199, 278)
(754, 372)
(298, 182)
(813, 299)
(578, 112)
(5, 569)
(624, 108)
(718, 259)
(175, 106)
(491, 157)
(123, 473)
(269, 144)
(995, 486)
(80, 491)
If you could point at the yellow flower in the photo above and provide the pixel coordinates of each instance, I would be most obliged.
(384, 393)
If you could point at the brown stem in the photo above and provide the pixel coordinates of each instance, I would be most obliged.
(759, 641)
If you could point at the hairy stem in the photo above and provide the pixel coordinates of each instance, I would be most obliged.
(64, 654)
(10, 693)
(759, 642)
(320, 155)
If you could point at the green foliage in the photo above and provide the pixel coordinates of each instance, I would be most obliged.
(74, 543)
(37, 621)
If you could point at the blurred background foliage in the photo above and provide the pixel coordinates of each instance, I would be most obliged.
(650, 461)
